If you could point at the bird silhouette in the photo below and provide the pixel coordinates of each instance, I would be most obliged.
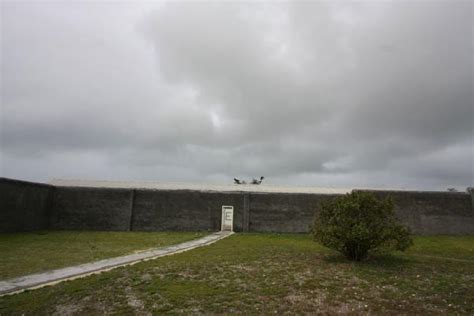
(237, 181)
(255, 181)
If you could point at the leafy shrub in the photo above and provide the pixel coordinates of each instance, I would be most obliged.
(359, 224)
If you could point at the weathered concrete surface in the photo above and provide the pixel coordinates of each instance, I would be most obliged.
(284, 212)
(428, 213)
(183, 210)
(91, 209)
(123, 209)
(55, 276)
(202, 187)
(24, 206)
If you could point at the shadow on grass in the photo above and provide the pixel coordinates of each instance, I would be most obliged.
(382, 260)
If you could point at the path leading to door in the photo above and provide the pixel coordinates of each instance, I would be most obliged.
(38, 280)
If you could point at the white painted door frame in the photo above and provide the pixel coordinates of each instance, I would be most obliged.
(227, 221)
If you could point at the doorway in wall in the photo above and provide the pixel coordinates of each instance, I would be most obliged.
(227, 218)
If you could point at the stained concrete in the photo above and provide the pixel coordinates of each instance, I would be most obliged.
(284, 212)
(201, 187)
(428, 213)
(81, 208)
(24, 206)
(55, 276)
(184, 210)
(121, 207)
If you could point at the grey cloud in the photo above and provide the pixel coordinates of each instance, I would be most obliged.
(317, 93)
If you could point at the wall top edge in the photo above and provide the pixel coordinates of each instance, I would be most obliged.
(203, 187)
(223, 188)
(16, 181)
(213, 188)
(411, 191)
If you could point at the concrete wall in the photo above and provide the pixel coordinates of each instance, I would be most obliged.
(181, 210)
(284, 212)
(428, 213)
(29, 206)
(24, 206)
(78, 208)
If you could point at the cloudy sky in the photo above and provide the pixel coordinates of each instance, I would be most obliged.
(340, 93)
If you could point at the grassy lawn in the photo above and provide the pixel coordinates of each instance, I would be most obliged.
(271, 274)
(25, 253)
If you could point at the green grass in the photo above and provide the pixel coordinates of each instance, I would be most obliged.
(444, 246)
(25, 253)
(271, 274)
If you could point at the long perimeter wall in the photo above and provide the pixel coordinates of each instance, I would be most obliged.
(28, 206)
(24, 205)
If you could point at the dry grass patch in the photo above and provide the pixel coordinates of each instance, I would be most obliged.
(269, 274)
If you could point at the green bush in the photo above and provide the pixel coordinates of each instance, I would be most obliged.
(359, 224)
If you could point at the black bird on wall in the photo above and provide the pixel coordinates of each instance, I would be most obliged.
(254, 181)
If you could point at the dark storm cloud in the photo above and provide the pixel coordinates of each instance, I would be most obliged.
(317, 93)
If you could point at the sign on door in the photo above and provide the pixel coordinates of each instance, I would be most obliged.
(227, 218)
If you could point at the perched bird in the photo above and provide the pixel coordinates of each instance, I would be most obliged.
(255, 181)
(237, 181)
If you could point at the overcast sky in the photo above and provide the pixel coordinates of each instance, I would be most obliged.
(350, 94)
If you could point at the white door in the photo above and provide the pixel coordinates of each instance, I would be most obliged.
(227, 218)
